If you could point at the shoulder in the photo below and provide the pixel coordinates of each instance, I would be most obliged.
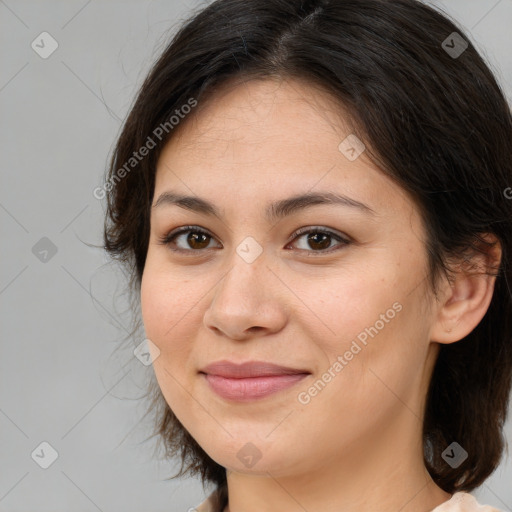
(463, 502)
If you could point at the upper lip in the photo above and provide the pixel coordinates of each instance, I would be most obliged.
(229, 369)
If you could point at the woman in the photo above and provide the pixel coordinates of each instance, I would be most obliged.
(312, 200)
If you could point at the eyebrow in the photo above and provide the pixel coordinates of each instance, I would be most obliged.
(273, 212)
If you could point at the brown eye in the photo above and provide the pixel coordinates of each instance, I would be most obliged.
(319, 240)
(187, 239)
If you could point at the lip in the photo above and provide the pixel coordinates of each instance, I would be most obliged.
(251, 380)
(248, 369)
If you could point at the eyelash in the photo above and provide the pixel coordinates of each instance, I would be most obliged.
(168, 239)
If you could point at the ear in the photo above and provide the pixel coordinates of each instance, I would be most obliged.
(466, 296)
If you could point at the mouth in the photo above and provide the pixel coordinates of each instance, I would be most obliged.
(250, 381)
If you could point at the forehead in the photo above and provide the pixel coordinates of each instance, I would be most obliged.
(246, 114)
(264, 137)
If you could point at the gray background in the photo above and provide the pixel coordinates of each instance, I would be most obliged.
(60, 379)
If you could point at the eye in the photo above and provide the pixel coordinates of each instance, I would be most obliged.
(319, 239)
(194, 239)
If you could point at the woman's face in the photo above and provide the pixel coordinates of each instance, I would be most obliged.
(348, 303)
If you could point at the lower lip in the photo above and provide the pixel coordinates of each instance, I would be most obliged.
(251, 388)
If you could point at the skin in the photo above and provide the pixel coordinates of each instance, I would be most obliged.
(357, 444)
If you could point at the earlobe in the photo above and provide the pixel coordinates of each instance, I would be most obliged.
(466, 298)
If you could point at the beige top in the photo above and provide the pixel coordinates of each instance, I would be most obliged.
(459, 502)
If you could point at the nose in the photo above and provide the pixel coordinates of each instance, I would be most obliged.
(249, 300)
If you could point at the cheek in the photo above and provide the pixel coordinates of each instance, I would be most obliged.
(167, 317)
(367, 383)
(342, 306)
(370, 324)
(168, 313)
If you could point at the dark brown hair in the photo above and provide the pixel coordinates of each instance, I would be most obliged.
(437, 122)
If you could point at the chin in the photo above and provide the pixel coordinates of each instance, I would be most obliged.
(258, 457)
